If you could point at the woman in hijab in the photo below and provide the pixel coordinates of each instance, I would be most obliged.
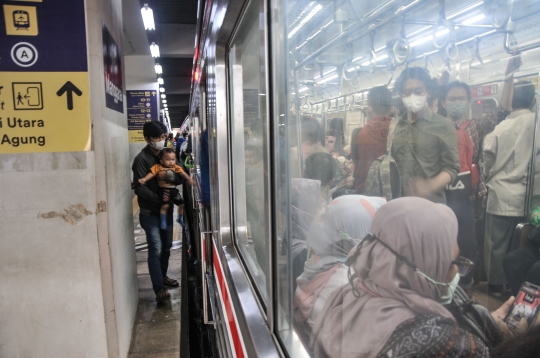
(305, 205)
(402, 269)
(324, 271)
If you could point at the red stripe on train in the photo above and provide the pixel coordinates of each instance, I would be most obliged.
(233, 326)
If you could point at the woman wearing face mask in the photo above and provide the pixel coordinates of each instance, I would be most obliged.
(347, 220)
(401, 274)
(424, 143)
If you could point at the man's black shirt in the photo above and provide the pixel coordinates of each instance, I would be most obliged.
(148, 194)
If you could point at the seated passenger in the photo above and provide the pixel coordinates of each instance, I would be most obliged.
(371, 139)
(305, 205)
(523, 264)
(321, 167)
(456, 99)
(346, 221)
(401, 273)
(507, 153)
(424, 144)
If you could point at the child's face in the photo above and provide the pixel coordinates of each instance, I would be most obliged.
(168, 160)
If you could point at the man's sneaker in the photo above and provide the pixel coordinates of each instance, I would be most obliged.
(496, 290)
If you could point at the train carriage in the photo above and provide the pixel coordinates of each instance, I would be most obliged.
(264, 73)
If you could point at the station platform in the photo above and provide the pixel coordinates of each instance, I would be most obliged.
(156, 332)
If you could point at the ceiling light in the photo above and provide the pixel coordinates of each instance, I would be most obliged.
(158, 68)
(148, 18)
(474, 19)
(161, 89)
(160, 80)
(303, 89)
(163, 95)
(377, 58)
(164, 100)
(165, 105)
(428, 38)
(305, 20)
(154, 49)
(328, 78)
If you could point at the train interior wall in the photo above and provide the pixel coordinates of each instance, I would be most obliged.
(68, 282)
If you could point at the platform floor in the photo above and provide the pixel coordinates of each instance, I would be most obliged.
(156, 333)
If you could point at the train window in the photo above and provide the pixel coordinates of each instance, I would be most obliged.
(250, 145)
(378, 100)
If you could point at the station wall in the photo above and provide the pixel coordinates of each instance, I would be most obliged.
(69, 286)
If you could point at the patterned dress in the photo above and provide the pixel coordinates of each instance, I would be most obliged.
(429, 336)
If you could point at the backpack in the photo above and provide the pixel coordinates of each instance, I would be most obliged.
(466, 152)
(383, 177)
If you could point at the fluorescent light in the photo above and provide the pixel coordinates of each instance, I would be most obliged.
(164, 105)
(164, 100)
(148, 18)
(303, 89)
(163, 95)
(305, 20)
(161, 89)
(474, 19)
(158, 68)
(154, 49)
(428, 38)
(357, 59)
(328, 78)
(377, 58)
(160, 80)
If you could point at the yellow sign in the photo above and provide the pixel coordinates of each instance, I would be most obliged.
(21, 20)
(44, 112)
(136, 136)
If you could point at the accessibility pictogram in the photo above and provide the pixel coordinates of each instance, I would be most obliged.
(27, 95)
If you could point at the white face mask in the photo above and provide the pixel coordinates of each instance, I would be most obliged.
(415, 103)
(447, 298)
(158, 145)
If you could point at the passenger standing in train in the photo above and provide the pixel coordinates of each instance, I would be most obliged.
(401, 275)
(424, 144)
(507, 154)
(371, 139)
(456, 100)
(159, 241)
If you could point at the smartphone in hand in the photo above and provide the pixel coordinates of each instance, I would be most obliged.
(526, 306)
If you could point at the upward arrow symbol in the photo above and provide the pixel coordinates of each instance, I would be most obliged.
(69, 88)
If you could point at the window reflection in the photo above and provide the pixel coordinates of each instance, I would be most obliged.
(356, 124)
(250, 146)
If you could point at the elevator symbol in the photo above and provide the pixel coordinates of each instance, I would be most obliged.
(27, 95)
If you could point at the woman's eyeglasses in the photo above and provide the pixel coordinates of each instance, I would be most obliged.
(464, 265)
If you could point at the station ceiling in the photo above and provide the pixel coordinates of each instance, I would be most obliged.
(175, 22)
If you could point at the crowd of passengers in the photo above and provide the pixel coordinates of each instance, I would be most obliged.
(378, 276)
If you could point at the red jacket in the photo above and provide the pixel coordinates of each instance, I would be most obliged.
(371, 144)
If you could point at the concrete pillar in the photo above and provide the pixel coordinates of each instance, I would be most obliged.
(68, 286)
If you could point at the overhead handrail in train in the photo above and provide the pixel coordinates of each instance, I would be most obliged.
(503, 7)
(401, 49)
(452, 47)
(476, 56)
(368, 19)
(443, 23)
